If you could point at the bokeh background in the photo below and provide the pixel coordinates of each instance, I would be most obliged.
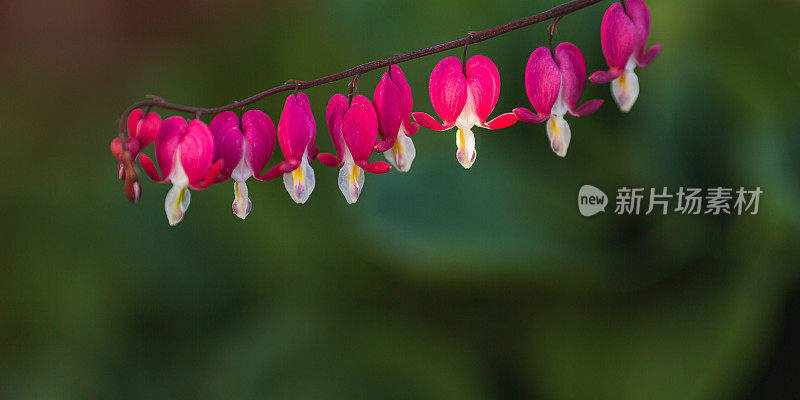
(438, 284)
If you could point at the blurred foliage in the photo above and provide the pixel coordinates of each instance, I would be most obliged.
(438, 284)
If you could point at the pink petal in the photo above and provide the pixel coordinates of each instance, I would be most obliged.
(399, 79)
(618, 35)
(378, 167)
(483, 84)
(573, 73)
(502, 121)
(542, 80)
(448, 90)
(278, 170)
(116, 149)
(388, 102)
(649, 56)
(587, 108)
(144, 129)
(640, 15)
(150, 168)
(600, 77)
(330, 160)
(296, 128)
(429, 122)
(334, 114)
(525, 115)
(408, 100)
(197, 151)
(210, 176)
(227, 140)
(383, 145)
(133, 121)
(148, 130)
(172, 131)
(410, 127)
(259, 135)
(313, 152)
(360, 128)
(305, 104)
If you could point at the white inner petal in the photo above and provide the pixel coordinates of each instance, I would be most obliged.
(178, 175)
(300, 182)
(176, 203)
(243, 169)
(625, 89)
(465, 143)
(241, 199)
(465, 139)
(402, 154)
(560, 107)
(468, 117)
(351, 181)
(559, 134)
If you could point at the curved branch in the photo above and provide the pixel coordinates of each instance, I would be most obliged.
(474, 37)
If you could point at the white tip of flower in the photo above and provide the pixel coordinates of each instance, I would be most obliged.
(351, 181)
(559, 134)
(466, 153)
(625, 90)
(402, 154)
(300, 182)
(241, 199)
(176, 203)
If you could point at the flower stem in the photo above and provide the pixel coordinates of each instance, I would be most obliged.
(474, 37)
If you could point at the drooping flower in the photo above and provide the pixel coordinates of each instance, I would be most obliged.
(464, 97)
(185, 154)
(244, 150)
(623, 35)
(354, 130)
(141, 132)
(554, 86)
(393, 104)
(296, 133)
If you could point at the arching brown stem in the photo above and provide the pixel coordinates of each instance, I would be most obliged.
(474, 37)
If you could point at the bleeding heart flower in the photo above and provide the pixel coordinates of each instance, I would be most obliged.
(393, 104)
(244, 150)
(464, 97)
(185, 154)
(141, 132)
(296, 133)
(623, 35)
(354, 130)
(554, 87)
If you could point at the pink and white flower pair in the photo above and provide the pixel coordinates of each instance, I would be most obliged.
(245, 150)
(393, 105)
(353, 126)
(464, 97)
(554, 85)
(185, 153)
(623, 35)
(297, 131)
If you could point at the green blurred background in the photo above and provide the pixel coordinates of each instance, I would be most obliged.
(438, 284)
